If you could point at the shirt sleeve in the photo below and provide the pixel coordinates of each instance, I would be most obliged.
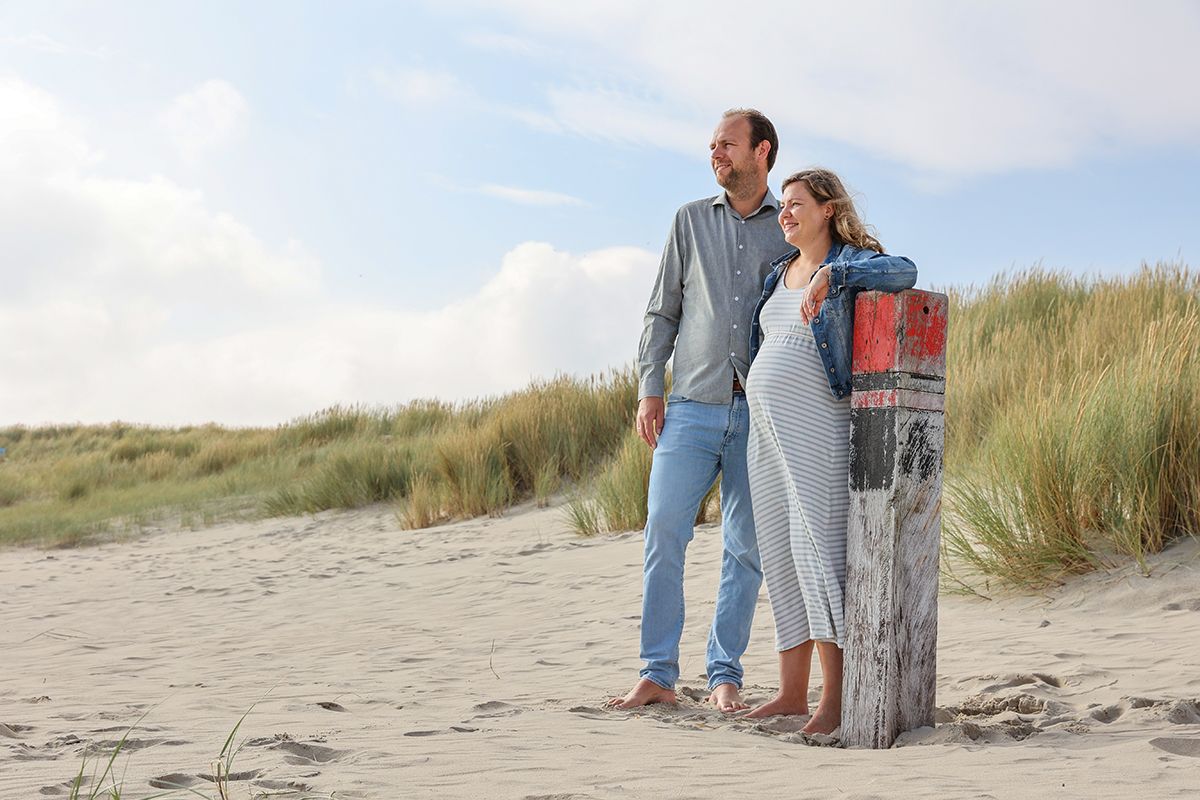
(871, 271)
(661, 324)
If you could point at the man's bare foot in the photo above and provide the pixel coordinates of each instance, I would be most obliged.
(727, 698)
(780, 705)
(825, 723)
(644, 692)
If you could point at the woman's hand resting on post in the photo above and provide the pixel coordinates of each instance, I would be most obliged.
(814, 295)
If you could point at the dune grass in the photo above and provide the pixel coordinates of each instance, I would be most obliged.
(1073, 439)
(65, 485)
(616, 499)
(1073, 423)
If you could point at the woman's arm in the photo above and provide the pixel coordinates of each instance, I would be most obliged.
(863, 269)
(866, 269)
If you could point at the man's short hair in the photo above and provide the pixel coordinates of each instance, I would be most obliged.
(761, 130)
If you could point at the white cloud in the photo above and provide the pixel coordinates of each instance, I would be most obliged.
(940, 87)
(41, 43)
(134, 300)
(98, 272)
(205, 118)
(494, 42)
(616, 116)
(413, 85)
(530, 197)
(35, 135)
(545, 312)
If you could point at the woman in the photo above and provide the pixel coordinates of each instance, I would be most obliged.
(798, 390)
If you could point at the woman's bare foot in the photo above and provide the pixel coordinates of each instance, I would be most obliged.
(824, 722)
(780, 705)
(727, 698)
(644, 692)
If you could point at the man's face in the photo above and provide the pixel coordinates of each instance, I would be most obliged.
(733, 160)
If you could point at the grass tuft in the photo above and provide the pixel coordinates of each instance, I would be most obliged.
(1073, 423)
(1073, 441)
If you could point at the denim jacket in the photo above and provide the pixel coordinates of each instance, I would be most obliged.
(851, 270)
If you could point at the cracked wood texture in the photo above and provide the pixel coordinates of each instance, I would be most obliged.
(897, 438)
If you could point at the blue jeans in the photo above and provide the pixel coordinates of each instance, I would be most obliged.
(699, 440)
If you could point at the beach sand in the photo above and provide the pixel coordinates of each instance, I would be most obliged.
(472, 660)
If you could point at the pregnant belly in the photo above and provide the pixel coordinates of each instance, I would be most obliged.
(785, 364)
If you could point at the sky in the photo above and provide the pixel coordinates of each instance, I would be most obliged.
(243, 213)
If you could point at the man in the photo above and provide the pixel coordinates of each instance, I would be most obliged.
(711, 275)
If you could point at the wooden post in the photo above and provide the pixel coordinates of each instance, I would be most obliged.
(897, 433)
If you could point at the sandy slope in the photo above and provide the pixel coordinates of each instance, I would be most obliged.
(472, 661)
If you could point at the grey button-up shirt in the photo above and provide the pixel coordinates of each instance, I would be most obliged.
(709, 280)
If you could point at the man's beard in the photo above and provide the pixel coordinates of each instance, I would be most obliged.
(736, 181)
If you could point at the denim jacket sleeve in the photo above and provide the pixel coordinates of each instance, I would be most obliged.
(866, 269)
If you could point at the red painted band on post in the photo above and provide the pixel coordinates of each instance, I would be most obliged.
(878, 398)
(902, 332)
(874, 333)
(898, 398)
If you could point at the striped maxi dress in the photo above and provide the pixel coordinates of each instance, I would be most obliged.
(799, 459)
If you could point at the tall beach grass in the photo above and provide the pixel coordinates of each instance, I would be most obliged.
(63, 485)
(1073, 423)
(1073, 440)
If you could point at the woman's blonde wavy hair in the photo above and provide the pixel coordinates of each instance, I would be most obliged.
(845, 225)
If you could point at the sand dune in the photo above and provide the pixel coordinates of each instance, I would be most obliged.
(473, 660)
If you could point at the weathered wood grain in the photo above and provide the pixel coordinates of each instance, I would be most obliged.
(897, 440)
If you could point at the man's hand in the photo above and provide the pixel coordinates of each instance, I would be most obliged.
(650, 414)
(814, 295)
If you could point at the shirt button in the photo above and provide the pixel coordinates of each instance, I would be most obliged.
(739, 272)
(736, 298)
(733, 355)
(831, 369)
(740, 246)
(823, 344)
(735, 327)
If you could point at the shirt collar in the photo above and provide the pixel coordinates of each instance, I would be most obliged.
(768, 201)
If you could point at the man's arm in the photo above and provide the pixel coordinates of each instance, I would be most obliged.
(659, 330)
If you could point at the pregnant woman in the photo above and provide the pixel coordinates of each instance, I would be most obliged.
(798, 391)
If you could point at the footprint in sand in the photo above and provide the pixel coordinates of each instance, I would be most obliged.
(1107, 714)
(592, 712)
(1184, 712)
(175, 780)
(248, 775)
(307, 754)
(494, 708)
(778, 725)
(109, 745)
(329, 705)
(66, 787)
(451, 729)
(13, 730)
(1184, 605)
(282, 786)
(1020, 679)
(1178, 746)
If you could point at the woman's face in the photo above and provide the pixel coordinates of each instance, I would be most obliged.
(801, 216)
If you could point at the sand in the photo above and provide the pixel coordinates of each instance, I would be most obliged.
(472, 661)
